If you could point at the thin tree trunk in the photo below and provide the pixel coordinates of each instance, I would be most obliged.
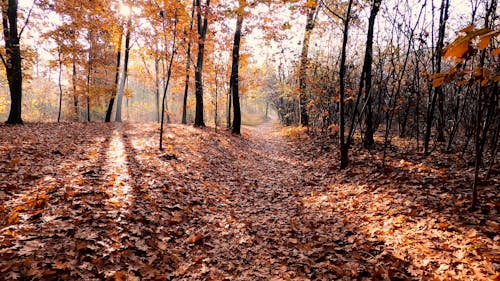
(169, 73)
(216, 115)
(366, 74)
(188, 68)
(121, 90)
(89, 81)
(117, 79)
(438, 91)
(229, 105)
(344, 148)
(75, 96)
(59, 83)
(157, 88)
(482, 127)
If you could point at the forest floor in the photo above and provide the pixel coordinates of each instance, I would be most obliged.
(99, 201)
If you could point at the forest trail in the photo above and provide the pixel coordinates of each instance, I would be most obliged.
(100, 202)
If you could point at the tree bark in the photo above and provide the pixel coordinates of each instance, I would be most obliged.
(304, 61)
(75, 96)
(121, 89)
(169, 73)
(12, 60)
(365, 82)
(438, 91)
(117, 79)
(233, 83)
(188, 66)
(202, 33)
(344, 148)
(157, 88)
(59, 84)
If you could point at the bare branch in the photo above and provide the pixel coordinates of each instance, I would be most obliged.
(3, 60)
(332, 11)
(27, 18)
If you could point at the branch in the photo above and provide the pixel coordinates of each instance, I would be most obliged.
(331, 11)
(3, 60)
(27, 19)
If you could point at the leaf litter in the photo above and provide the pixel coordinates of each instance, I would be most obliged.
(99, 202)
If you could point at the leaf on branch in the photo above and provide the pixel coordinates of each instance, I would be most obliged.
(438, 79)
(467, 29)
(459, 49)
(485, 39)
(495, 52)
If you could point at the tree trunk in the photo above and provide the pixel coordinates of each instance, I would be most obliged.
(89, 81)
(117, 79)
(12, 61)
(233, 83)
(198, 75)
(438, 91)
(304, 61)
(157, 88)
(344, 148)
(366, 74)
(229, 105)
(169, 73)
(59, 83)
(75, 96)
(121, 89)
(188, 66)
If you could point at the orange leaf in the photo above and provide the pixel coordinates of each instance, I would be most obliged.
(438, 82)
(120, 276)
(495, 52)
(467, 29)
(456, 50)
(13, 218)
(438, 75)
(195, 238)
(484, 41)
